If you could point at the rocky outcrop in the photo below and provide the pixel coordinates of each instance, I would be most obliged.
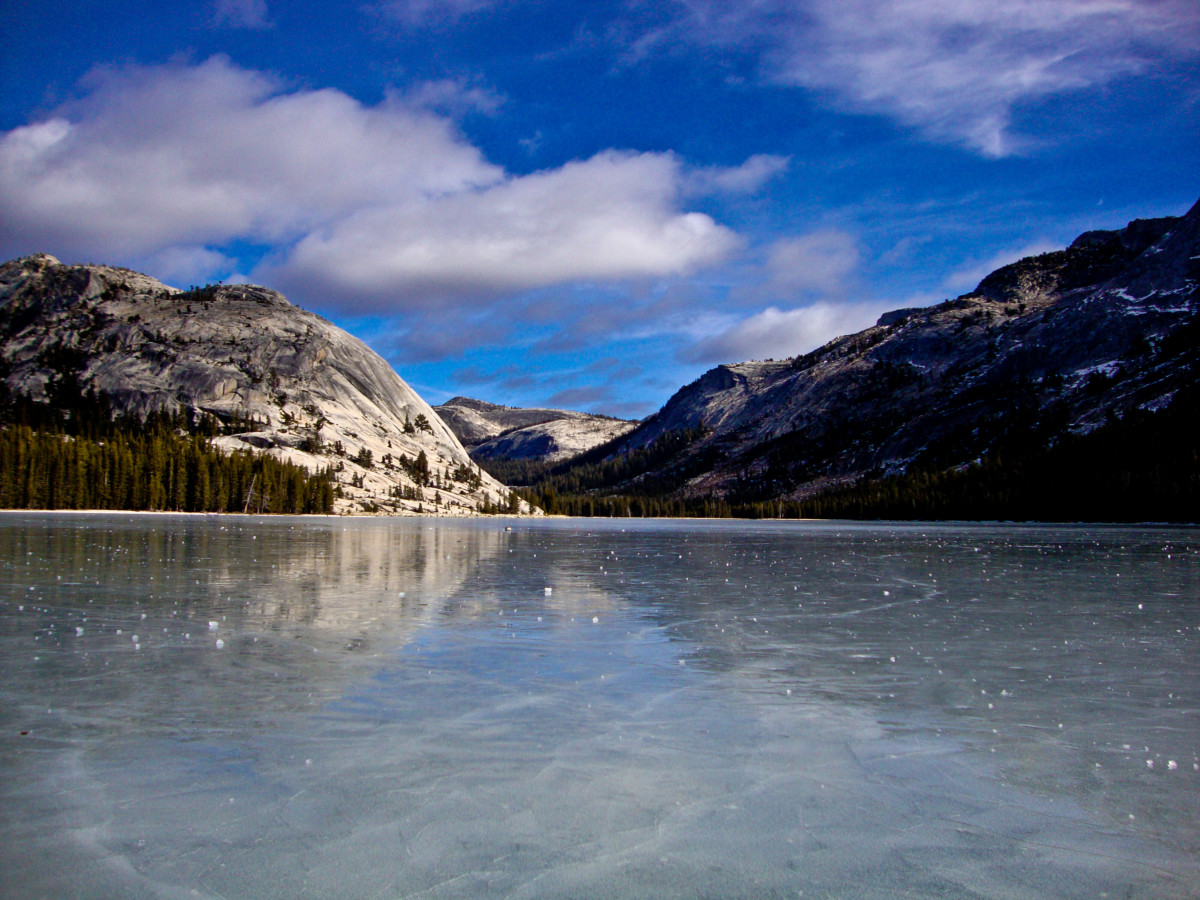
(1051, 344)
(316, 395)
(490, 431)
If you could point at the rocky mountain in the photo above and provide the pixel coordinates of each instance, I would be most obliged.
(1050, 346)
(490, 431)
(283, 381)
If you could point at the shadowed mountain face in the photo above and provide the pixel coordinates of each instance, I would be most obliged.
(314, 394)
(1049, 346)
(490, 431)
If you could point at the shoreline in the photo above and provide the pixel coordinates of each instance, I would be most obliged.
(559, 516)
(252, 515)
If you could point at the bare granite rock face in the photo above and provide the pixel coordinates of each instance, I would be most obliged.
(1055, 343)
(318, 395)
(491, 431)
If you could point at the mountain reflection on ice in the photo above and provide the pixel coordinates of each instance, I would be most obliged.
(401, 708)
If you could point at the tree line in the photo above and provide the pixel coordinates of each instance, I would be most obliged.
(1143, 466)
(75, 453)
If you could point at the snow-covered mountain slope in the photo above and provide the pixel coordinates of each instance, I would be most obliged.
(490, 431)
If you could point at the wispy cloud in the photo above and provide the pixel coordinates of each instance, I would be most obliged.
(424, 13)
(781, 333)
(957, 72)
(747, 178)
(418, 337)
(581, 397)
(820, 262)
(186, 265)
(455, 97)
(242, 14)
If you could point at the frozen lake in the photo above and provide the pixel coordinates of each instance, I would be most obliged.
(241, 707)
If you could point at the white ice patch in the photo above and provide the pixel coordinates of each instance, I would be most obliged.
(1107, 369)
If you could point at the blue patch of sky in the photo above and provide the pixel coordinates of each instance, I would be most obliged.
(562, 81)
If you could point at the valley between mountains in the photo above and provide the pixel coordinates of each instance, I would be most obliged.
(1063, 386)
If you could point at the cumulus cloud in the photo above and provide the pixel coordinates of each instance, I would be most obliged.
(779, 334)
(613, 216)
(379, 207)
(954, 71)
(160, 156)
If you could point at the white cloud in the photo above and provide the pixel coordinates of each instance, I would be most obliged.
(747, 178)
(779, 334)
(454, 97)
(382, 206)
(613, 216)
(156, 157)
(956, 71)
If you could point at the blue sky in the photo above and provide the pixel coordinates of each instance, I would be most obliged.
(545, 202)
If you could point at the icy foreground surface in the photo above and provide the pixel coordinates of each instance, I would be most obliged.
(401, 708)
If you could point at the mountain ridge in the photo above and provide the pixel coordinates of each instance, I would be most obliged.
(1048, 346)
(319, 396)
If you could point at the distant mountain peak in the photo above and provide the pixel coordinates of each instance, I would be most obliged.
(492, 431)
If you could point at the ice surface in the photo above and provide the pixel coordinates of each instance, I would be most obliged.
(697, 709)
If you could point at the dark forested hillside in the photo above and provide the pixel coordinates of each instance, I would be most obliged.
(1142, 467)
(1063, 387)
(76, 454)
